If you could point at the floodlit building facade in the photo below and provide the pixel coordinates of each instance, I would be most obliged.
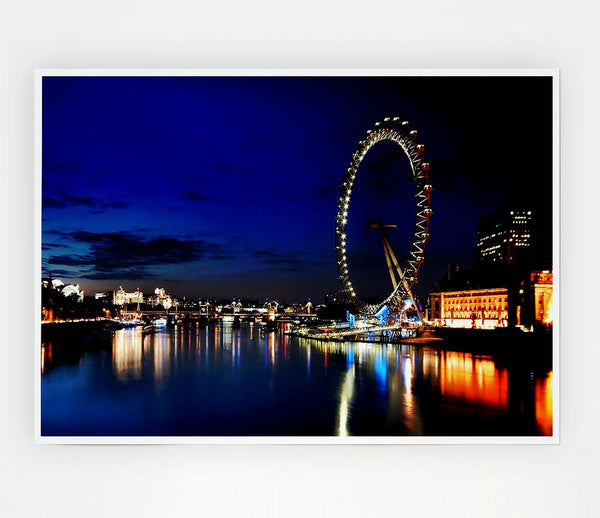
(73, 290)
(481, 309)
(526, 303)
(68, 290)
(122, 297)
(162, 298)
(542, 297)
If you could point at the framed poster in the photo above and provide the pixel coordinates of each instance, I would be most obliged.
(297, 256)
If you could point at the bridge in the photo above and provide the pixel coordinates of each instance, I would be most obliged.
(245, 314)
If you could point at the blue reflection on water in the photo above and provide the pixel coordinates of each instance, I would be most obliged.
(350, 357)
(381, 370)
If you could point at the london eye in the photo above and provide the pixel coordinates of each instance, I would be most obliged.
(382, 220)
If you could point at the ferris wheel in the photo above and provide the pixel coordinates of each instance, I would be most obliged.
(382, 221)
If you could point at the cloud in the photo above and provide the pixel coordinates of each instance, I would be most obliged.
(258, 254)
(191, 195)
(51, 203)
(270, 257)
(51, 246)
(129, 255)
(70, 260)
(282, 260)
(59, 165)
(56, 271)
(65, 201)
(123, 274)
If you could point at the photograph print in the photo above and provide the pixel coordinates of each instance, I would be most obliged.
(297, 258)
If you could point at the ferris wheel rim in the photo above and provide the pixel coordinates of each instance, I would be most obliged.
(399, 132)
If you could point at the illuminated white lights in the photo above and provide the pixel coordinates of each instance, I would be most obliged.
(397, 131)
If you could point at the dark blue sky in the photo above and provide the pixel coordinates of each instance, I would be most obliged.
(223, 187)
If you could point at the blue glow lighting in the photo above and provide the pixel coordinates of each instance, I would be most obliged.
(381, 371)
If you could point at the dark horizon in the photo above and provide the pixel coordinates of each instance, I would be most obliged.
(226, 187)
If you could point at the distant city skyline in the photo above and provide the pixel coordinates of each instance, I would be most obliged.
(227, 187)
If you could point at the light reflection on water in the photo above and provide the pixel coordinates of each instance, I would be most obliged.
(473, 379)
(543, 404)
(127, 355)
(345, 401)
(211, 380)
(463, 381)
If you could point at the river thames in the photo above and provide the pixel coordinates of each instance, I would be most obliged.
(217, 380)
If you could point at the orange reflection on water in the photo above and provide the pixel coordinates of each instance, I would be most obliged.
(127, 353)
(271, 346)
(474, 379)
(543, 404)
(46, 353)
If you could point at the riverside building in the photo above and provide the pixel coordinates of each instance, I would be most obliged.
(526, 304)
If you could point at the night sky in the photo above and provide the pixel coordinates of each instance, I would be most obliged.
(227, 187)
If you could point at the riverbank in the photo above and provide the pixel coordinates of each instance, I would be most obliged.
(63, 327)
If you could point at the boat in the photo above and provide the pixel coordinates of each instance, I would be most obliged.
(128, 322)
(228, 319)
(124, 322)
(160, 323)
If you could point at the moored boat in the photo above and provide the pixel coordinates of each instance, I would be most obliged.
(160, 323)
(128, 322)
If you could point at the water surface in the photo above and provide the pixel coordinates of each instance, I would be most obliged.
(205, 381)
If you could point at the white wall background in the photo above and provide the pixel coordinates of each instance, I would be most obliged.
(490, 481)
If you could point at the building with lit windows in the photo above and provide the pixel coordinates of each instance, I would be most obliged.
(122, 297)
(480, 309)
(504, 237)
(507, 286)
(525, 303)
